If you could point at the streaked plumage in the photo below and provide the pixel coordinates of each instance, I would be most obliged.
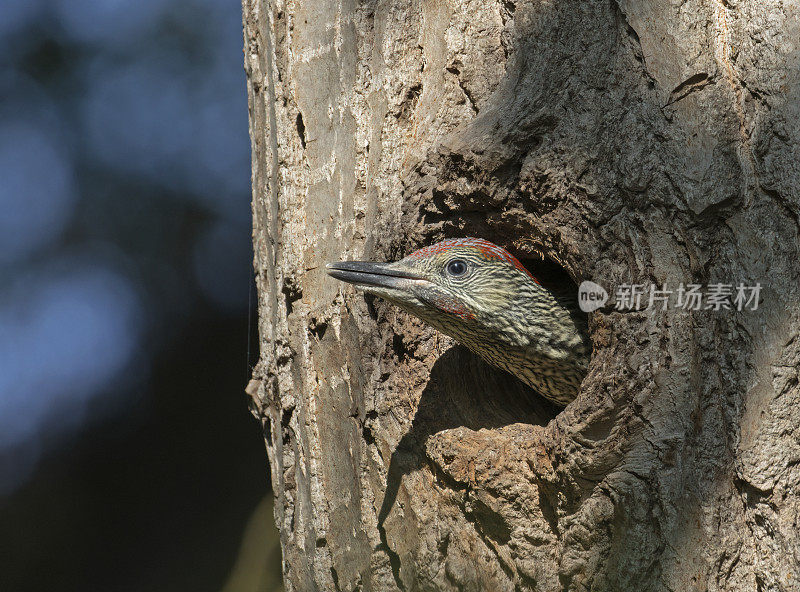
(483, 297)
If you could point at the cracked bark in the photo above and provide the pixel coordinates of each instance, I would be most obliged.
(631, 142)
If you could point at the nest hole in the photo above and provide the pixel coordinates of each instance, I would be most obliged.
(466, 391)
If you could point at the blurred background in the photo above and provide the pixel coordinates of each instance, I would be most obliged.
(128, 457)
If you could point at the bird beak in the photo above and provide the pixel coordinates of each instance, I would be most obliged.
(365, 274)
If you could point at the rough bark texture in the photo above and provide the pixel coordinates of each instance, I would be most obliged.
(632, 142)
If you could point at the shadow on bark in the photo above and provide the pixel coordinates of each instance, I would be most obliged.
(463, 391)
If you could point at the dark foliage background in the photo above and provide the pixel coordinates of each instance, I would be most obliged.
(128, 458)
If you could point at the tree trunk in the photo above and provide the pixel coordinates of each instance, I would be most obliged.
(631, 142)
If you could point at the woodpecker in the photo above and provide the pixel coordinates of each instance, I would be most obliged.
(483, 297)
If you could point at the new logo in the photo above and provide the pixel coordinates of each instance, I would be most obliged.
(591, 296)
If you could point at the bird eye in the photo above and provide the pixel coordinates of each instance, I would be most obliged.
(456, 267)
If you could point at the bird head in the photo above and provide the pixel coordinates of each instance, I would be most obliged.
(468, 288)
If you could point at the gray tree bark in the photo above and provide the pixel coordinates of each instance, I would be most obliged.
(631, 141)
